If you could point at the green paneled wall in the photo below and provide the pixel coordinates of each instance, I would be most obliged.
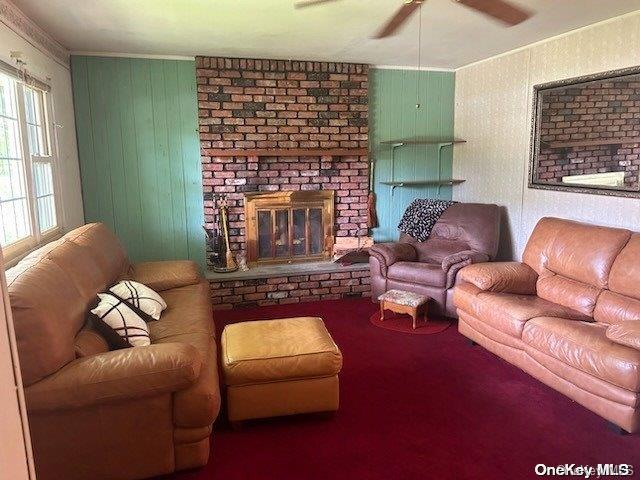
(393, 115)
(136, 122)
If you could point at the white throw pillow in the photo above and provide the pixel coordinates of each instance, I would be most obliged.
(140, 296)
(120, 317)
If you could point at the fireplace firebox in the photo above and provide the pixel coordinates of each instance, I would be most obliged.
(289, 226)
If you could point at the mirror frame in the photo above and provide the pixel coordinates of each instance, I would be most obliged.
(536, 115)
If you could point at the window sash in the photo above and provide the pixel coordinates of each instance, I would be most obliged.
(39, 169)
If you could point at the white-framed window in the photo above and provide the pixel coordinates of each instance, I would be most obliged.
(28, 206)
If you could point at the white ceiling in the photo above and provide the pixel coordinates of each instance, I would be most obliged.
(452, 35)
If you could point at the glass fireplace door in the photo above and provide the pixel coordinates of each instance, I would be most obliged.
(290, 233)
(289, 226)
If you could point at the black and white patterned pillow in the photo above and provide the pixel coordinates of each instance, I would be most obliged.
(118, 323)
(140, 296)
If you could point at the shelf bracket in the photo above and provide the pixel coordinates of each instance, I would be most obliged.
(394, 146)
(393, 187)
(440, 147)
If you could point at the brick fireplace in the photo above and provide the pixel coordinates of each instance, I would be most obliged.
(274, 126)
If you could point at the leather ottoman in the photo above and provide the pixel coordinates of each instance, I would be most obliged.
(280, 367)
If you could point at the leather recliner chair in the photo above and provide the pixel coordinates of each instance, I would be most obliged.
(568, 314)
(465, 233)
(99, 414)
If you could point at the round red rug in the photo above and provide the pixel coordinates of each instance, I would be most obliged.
(404, 323)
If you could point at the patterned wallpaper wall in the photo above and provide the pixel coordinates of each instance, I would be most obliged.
(493, 111)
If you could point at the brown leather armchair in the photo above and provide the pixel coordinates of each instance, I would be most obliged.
(466, 233)
(99, 414)
(568, 314)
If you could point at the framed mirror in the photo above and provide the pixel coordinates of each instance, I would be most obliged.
(586, 134)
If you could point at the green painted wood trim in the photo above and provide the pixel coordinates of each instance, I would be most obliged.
(137, 130)
(393, 95)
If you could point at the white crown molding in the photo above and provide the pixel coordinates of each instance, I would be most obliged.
(132, 55)
(22, 25)
(421, 69)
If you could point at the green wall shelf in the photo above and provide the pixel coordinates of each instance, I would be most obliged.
(413, 183)
(423, 141)
(440, 143)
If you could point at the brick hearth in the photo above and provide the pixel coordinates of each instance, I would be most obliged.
(276, 104)
(329, 283)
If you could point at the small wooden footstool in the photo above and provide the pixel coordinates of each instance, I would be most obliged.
(401, 301)
(279, 367)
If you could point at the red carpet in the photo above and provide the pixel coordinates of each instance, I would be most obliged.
(403, 323)
(413, 407)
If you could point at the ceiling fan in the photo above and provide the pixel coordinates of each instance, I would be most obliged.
(501, 10)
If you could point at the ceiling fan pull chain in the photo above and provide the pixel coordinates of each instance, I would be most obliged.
(419, 55)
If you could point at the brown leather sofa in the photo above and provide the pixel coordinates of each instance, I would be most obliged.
(568, 314)
(125, 414)
(466, 233)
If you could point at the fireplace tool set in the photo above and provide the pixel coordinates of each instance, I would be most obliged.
(222, 258)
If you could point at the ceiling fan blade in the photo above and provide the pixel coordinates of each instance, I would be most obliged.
(500, 9)
(399, 18)
(311, 3)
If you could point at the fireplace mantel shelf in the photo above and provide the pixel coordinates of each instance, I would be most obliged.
(288, 152)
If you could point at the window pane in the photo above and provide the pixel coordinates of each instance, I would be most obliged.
(29, 106)
(7, 101)
(14, 206)
(42, 179)
(34, 110)
(9, 138)
(43, 186)
(46, 213)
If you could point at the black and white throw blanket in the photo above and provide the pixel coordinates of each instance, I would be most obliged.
(421, 215)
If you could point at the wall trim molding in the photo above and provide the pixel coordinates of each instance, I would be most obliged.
(132, 55)
(421, 69)
(16, 20)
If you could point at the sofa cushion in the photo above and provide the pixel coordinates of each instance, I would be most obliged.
(625, 272)
(105, 249)
(418, 272)
(165, 275)
(48, 312)
(585, 253)
(80, 264)
(622, 301)
(570, 293)
(585, 346)
(614, 308)
(625, 333)
(188, 311)
(508, 312)
(276, 350)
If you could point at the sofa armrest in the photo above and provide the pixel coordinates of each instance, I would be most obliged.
(117, 375)
(389, 253)
(453, 263)
(625, 333)
(507, 277)
(165, 275)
